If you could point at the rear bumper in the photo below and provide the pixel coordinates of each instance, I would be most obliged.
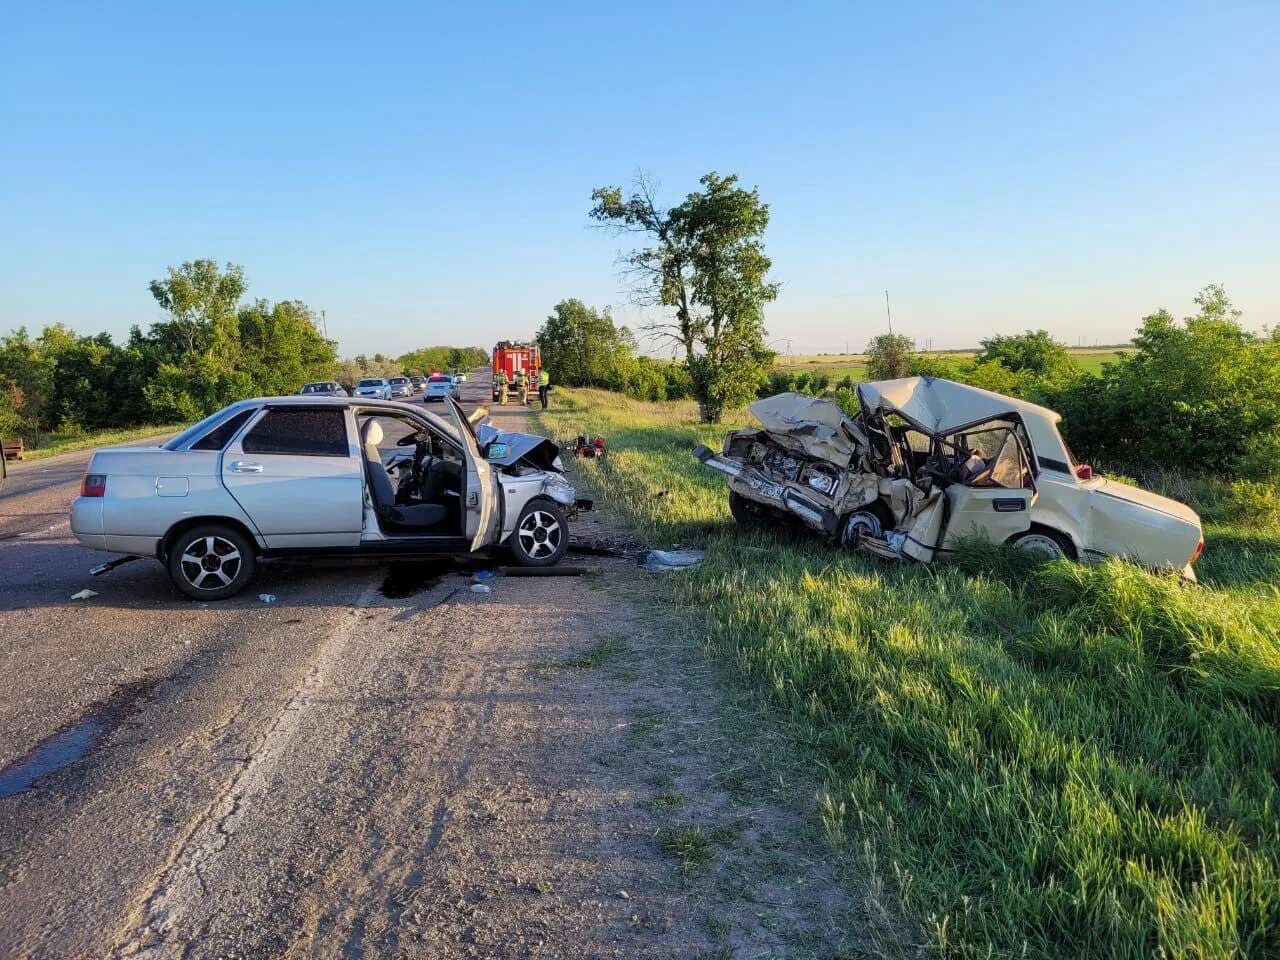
(86, 522)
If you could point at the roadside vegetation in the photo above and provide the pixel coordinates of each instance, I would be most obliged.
(211, 348)
(1046, 760)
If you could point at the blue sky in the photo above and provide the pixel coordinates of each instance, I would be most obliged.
(424, 174)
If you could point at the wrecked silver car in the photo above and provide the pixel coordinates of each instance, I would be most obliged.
(928, 462)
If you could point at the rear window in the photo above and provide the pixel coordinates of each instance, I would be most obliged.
(221, 435)
(304, 433)
(439, 379)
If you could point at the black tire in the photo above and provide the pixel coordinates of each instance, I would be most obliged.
(197, 576)
(870, 520)
(746, 512)
(541, 536)
(1045, 542)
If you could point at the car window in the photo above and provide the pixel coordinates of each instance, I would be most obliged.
(369, 383)
(307, 433)
(189, 434)
(221, 435)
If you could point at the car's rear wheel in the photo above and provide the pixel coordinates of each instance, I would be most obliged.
(1044, 542)
(541, 536)
(211, 562)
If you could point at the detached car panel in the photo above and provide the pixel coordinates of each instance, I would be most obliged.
(323, 475)
(928, 462)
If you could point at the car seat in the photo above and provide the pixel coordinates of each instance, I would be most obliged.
(418, 515)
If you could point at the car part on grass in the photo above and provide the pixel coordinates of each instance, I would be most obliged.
(664, 561)
(624, 547)
(927, 463)
(589, 447)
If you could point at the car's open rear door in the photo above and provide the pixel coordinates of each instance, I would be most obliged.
(480, 506)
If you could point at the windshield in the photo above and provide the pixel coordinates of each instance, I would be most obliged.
(189, 434)
(399, 380)
(369, 383)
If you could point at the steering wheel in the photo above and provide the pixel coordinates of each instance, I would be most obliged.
(409, 439)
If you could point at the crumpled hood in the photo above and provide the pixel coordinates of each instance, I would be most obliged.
(819, 426)
(538, 451)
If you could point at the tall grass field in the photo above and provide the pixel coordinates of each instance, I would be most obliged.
(1047, 760)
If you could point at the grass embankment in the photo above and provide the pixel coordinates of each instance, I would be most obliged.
(839, 365)
(1048, 761)
(55, 443)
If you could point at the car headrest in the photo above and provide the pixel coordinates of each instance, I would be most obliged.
(371, 433)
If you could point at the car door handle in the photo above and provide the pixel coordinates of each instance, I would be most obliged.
(244, 466)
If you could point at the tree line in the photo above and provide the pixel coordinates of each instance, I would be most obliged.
(211, 348)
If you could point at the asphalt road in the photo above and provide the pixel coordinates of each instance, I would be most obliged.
(338, 773)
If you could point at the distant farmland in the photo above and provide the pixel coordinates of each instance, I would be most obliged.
(837, 365)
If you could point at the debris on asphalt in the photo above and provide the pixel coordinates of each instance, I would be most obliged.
(480, 576)
(661, 561)
(267, 597)
(480, 588)
(560, 570)
(606, 546)
(84, 594)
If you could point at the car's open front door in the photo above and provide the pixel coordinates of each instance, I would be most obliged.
(996, 502)
(479, 506)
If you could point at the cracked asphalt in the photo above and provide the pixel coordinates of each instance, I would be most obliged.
(344, 773)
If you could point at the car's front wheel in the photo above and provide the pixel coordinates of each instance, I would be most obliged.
(211, 562)
(541, 536)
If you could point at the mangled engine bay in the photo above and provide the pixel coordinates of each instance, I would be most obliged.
(876, 482)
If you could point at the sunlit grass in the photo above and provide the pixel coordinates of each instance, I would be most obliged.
(1052, 760)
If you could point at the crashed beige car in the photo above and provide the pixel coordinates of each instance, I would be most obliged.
(928, 463)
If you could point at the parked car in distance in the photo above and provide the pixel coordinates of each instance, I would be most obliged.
(310, 476)
(440, 386)
(323, 388)
(400, 387)
(460, 376)
(418, 383)
(377, 388)
(927, 463)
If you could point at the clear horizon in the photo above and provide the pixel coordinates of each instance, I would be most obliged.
(425, 178)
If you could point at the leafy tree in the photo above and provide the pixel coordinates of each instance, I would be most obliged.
(281, 348)
(708, 264)
(581, 346)
(888, 356)
(201, 301)
(1201, 395)
(1034, 352)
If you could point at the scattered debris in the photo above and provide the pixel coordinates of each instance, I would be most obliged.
(662, 561)
(560, 570)
(267, 597)
(110, 565)
(606, 546)
(480, 588)
(84, 594)
(623, 895)
(480, 576)
(589, 448)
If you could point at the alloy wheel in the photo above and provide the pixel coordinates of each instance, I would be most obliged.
(210, 562)
(540, 534)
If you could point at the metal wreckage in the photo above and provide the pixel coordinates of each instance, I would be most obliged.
(928, 462)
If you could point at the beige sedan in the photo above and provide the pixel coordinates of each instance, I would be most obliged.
(929, 462)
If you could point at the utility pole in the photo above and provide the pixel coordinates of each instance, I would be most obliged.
(886, 310)
(324, 322)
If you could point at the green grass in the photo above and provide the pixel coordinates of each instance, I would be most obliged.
(1049, 761)
(837, 366)
(56, 443)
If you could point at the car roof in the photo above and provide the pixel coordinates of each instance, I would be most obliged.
(366, 403)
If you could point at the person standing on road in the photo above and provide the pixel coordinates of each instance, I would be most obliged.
(522, 386)
(502, 387)
(544, 382)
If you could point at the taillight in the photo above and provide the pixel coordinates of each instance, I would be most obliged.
(1199, 550)
(94, 485)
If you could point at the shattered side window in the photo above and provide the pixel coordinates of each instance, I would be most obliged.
(1006, 471)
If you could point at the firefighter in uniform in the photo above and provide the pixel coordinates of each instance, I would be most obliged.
(544, 382)
(502, 387)
(522, 386)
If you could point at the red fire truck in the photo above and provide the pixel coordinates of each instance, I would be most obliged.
(510, 357)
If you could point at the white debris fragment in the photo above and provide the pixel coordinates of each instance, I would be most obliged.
(84, 594)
